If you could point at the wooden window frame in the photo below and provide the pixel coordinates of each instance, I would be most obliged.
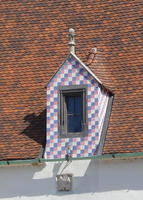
(64, 91)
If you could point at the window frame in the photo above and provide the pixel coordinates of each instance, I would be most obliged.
(62, 119)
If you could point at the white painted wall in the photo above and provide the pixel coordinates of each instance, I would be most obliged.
(93, 180)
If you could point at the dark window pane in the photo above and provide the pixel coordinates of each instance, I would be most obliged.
(74, 113)
(74, 124)
(71, 124)
(78, 105)
(70, 105)
(78, 123)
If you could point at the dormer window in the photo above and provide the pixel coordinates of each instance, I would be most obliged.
(72, 111)
(77, 104)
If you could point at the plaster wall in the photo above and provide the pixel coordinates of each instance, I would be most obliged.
(100, 180)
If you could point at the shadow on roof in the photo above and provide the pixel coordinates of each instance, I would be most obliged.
(37, 127)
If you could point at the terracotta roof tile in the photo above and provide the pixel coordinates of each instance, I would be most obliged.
(33, 44)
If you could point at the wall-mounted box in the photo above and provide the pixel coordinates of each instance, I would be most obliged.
(64, 182)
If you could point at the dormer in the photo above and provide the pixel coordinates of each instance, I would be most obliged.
(77, 110)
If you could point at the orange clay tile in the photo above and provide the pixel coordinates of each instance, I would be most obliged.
(34, 43)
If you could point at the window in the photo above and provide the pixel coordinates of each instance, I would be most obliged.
(72, 111)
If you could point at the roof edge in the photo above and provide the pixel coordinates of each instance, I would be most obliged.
(121, 156)
(91, 73)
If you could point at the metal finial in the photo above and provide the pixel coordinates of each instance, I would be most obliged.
(72, 40)
(71, 31)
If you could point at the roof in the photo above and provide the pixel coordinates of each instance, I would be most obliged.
(33, 44)
(125, 79)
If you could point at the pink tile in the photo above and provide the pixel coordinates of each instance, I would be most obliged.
(59, 156)
(78, 147)
(74, 152)
(86, 150)
(63, 152)
(59, 145)
(55, 149)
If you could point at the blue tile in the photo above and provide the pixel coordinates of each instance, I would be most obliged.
(97, 134)
(74, 147)
(89, 154)
(48, 141)
(89, 130)
(92, 81)
(69, 60)
(81, 82)
(52, 125)
(93, 115)
(63, 148)
(56, 87)
(55, 144)
(51, 137)
(48, 118)
(55, 99)
(51, 149)
(59, 140)
(96, 99)
(55, 157)
(96, 122)
(92, 92)
(51, 103)
(93, 150)
(74, 78)
(89, 107)
(48, 107)
(92, 104)
(48, 95)
(76, 62)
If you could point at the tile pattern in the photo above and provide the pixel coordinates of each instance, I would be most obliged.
(73, 73)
